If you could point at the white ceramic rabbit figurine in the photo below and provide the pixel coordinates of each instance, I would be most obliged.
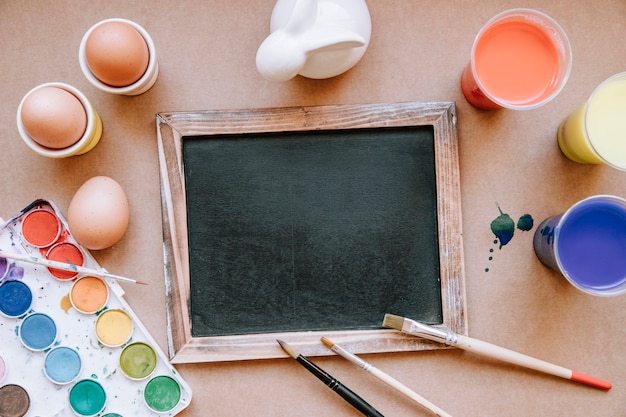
(314, 38)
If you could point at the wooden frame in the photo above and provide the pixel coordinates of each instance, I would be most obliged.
(172, 127)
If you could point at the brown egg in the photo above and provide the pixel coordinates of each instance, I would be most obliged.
(53, 117)
(98, 214)
(116, 54)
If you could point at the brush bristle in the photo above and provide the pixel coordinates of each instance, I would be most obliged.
(291, 351)
(393, 322)
(327, 342)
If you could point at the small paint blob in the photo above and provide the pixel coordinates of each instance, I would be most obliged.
(4, 268)
(525, 222)
(87, 398)
(65, 304)
(89, 294)
(14, 401)
(68, 253)
(503, 227)
(112, 415)
(62, 365)
(41, 228)
(3, 369)
(114, 327)
(38, 331)
(15, 298)
(162, 394)
(138, 360)
(15, 273)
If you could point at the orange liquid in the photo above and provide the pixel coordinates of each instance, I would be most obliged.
(516, 62)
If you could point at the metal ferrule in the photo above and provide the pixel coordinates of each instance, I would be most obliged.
(432, 333)
(352, 358)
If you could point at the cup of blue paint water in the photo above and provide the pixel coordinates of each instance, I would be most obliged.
(587, 245)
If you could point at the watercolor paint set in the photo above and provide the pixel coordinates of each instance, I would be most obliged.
(71, 345)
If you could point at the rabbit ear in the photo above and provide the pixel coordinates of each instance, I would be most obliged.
(330, 38)
(280, 57)
(303, 15)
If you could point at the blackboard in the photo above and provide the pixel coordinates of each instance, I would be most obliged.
(308, 227)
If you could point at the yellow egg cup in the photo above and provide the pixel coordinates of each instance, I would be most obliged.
(88, 140)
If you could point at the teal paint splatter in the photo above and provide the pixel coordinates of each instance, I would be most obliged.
(503, 227)
(525, 223)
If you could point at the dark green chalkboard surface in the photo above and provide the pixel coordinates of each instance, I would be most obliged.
(302, 222)
(312, 230)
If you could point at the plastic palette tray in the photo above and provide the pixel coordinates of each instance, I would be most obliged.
(25, 367)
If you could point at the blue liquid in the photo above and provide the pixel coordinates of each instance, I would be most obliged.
(15, 298)
(592, 245)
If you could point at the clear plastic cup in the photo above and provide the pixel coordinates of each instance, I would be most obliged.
(520, 59)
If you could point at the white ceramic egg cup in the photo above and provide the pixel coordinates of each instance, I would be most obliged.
(87, 142)
(143, 84)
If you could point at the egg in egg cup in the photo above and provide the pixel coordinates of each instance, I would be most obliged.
(86, 142)
(110, 50)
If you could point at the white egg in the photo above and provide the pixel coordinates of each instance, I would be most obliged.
(98, 214)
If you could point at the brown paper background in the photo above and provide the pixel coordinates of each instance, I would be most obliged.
(418, 50)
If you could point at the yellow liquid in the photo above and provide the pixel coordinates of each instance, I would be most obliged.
(596, 132)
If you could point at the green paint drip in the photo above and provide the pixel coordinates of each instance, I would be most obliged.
(162, 393)
(87, 398)
(525, 222)
(503, 227)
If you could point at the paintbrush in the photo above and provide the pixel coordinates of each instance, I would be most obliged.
(367, 367)
(451, 338)
(345, 393)
(66, 267)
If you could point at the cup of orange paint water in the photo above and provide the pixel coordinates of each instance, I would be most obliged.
(520, 59)
(595, 133)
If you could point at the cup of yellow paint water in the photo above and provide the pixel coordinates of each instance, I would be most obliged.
(595, 133)
(520, 59)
